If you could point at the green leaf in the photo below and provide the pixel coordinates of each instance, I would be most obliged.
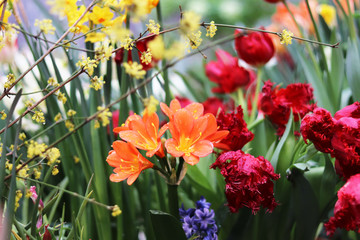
(352, 69)
(166, 226)
(200, 182)
(328, 183)
(305, 206)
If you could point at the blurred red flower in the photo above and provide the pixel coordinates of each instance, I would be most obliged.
(214, 105)
(274, 1)
(248, 181)
(276, 103)
(347, 208)
(255, 48)
(183, 101)
(238, 135)
(227, 73)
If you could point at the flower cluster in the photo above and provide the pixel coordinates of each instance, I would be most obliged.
(277, 103)
(199, 222)
(338, 135)
(248, 180)
(194, 135)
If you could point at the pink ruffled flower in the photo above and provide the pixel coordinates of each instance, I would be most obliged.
(248, 181)
(347, 208)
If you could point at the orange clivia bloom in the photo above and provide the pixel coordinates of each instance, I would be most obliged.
(196, 109)
(193, 135)
(143, 133)
(127, 161)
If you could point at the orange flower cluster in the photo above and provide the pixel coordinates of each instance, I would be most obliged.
(194, 135)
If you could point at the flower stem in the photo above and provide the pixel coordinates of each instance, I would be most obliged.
(257, 92)
(173, 200)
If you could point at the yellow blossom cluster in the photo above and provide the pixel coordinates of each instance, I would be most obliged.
(104, 51)
(87, 64)
(35, 149)
(158, 50)
(97, 82)
(18, 196)
(55, 170)
(71, 113)
(10, 80)
(76, 159)
(57, 117)
(22, 136)
(52, 155)
(23, 172)
(150, 105)
(38, 116)
(52, 82)
(3, 115)
(146, 57)
(286, 37)
(29, 102)
(134, 69)
(153, 27)
(37, 173)
(211, 30)
(45, 26)
(116, 211)
(69, 125)
(104, 116)
(194, 40)
(61, 97)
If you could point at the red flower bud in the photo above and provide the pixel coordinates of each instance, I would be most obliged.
(255, 48)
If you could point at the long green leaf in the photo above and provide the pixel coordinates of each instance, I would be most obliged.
(166, 226)
(353, 70)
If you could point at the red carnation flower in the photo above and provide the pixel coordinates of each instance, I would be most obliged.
(352, 110)
(347, 208)
(227, 73)
(238, 135)
(319, 128)
(346, 144)
(277, 103)
(255, 48)
(248, 181)
(213, 104)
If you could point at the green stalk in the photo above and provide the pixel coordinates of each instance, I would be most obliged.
(257, 91)
(173, 200)
(351, 22)
(168, 95)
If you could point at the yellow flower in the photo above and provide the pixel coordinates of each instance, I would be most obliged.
(22, 136)
(73, 15)
(51, 81)
(116, 211)
(104, 116)
(10, 80)
(61, 97)
(194, 39)
(103, 52)
(211, 30)
(60, 7)
(37, 173)
(35, 149)
(101, 15)
(150, 105)
(71, 113)
(97, 124)
(39, 116)
(23, 172)
(190, 22)
(57, 117)
(94, 37)
(146, 57)
(55, 171)
(157, 47)
(286, 37)
(45, 26)
(328, 13)
(87, 64)
(6, 15)
(134, 69)
(18, 196)
(3, 115)
(52, 155)
(153, 27)
(176, 50)
(76, 159)
(97, 82)
(29, 103)
(69, 125)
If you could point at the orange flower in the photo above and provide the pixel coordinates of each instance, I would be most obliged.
(128, 162)
(196, 109)
(152, 4)
(143, 133)
(193, 135)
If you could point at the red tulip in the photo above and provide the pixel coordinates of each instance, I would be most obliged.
(255, 48)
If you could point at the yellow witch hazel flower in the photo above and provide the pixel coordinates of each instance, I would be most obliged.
(328, 13)
(134, 69)
(146, 57)
(286, 37)
(87, 64)
(211, 30)
(97, 82)
(153, 27)
(52, 155)
(190, 22)
(38, 116)
(45, 26)
(35, 149)
(105, 116)
(10, 80)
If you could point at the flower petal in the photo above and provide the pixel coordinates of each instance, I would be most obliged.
(191, 159)
(203, 148)
(171, 145)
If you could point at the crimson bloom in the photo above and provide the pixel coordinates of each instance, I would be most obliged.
(255, 48)
(214, 105)
(238, 135)
(274, 1)
(227, 73)
(276, 103)
(127, 161)
(143, 133)
(347, 208)
(248, 181)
